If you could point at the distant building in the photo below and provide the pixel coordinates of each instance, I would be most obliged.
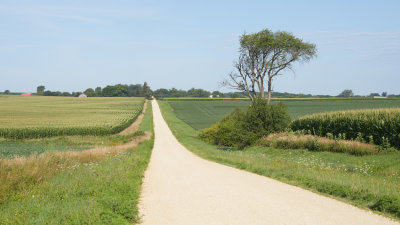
(26, 94)
(210, 96)
(380, 97)
(82, 96)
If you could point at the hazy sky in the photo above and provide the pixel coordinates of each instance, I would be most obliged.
(72, 45)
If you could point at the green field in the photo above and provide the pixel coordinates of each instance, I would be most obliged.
(33, 117)
(202, 114)
(69, 188)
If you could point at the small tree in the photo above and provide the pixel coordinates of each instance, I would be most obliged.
(40, 90)
(7, 92)
(346, 93)
(384, 94)
(263, 56)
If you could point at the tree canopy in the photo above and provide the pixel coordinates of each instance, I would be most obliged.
(40, 90)
(263, 56)
(90, 92)
(346, 93)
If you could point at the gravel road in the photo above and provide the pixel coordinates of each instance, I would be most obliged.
(181, 188)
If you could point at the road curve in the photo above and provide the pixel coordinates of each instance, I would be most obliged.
(182, 188)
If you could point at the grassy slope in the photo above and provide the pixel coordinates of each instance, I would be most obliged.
(10, 148)
(104, 192)
(369, 181)
(201, 114)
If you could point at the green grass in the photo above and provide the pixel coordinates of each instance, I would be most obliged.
(202, 114)
(9, 149)
(369, 181)
(34, 117)
(99, 192)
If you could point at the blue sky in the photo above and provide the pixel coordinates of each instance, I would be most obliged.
(72, 45)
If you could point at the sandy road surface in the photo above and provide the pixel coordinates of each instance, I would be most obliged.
(181, 188)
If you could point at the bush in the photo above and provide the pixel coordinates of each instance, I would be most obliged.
(240, 129)
(387, 203)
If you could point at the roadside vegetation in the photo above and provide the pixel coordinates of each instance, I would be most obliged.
(369, 181)
(292, 140)
(100, 185)
(243, 128)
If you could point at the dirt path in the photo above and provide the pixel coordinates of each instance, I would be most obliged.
(181, 188)
(135, 125)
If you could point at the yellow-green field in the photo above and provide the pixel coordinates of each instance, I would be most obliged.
(34, 116)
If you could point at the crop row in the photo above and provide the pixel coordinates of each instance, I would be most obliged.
(43, 132)
(380, 126)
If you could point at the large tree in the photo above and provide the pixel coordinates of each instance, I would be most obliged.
(98, 92)
(263, 56)
(90, 92)
(134, 90)
(118, 90)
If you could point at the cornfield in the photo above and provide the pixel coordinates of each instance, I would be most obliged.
(40, 117)
(380, 126)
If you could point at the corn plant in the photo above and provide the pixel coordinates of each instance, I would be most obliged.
(380, 126)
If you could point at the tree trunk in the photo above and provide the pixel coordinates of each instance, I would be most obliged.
(262, 89)
(269, 89)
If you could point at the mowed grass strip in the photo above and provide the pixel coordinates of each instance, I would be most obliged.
(36, 117)
(99, 191)
(203, 113)
(371, 181)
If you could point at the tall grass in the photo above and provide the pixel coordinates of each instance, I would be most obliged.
(379, 126)
(315, 143)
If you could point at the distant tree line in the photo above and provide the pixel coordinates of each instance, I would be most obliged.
(195, 93)
(118, 90)
(347, 93)
(139, 90)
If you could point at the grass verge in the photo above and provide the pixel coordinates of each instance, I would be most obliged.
(371, 181)
(286, 140)
(100, 191)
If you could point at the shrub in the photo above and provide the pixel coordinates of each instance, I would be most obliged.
(243, 128)
(379, 126)
(387, 203)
